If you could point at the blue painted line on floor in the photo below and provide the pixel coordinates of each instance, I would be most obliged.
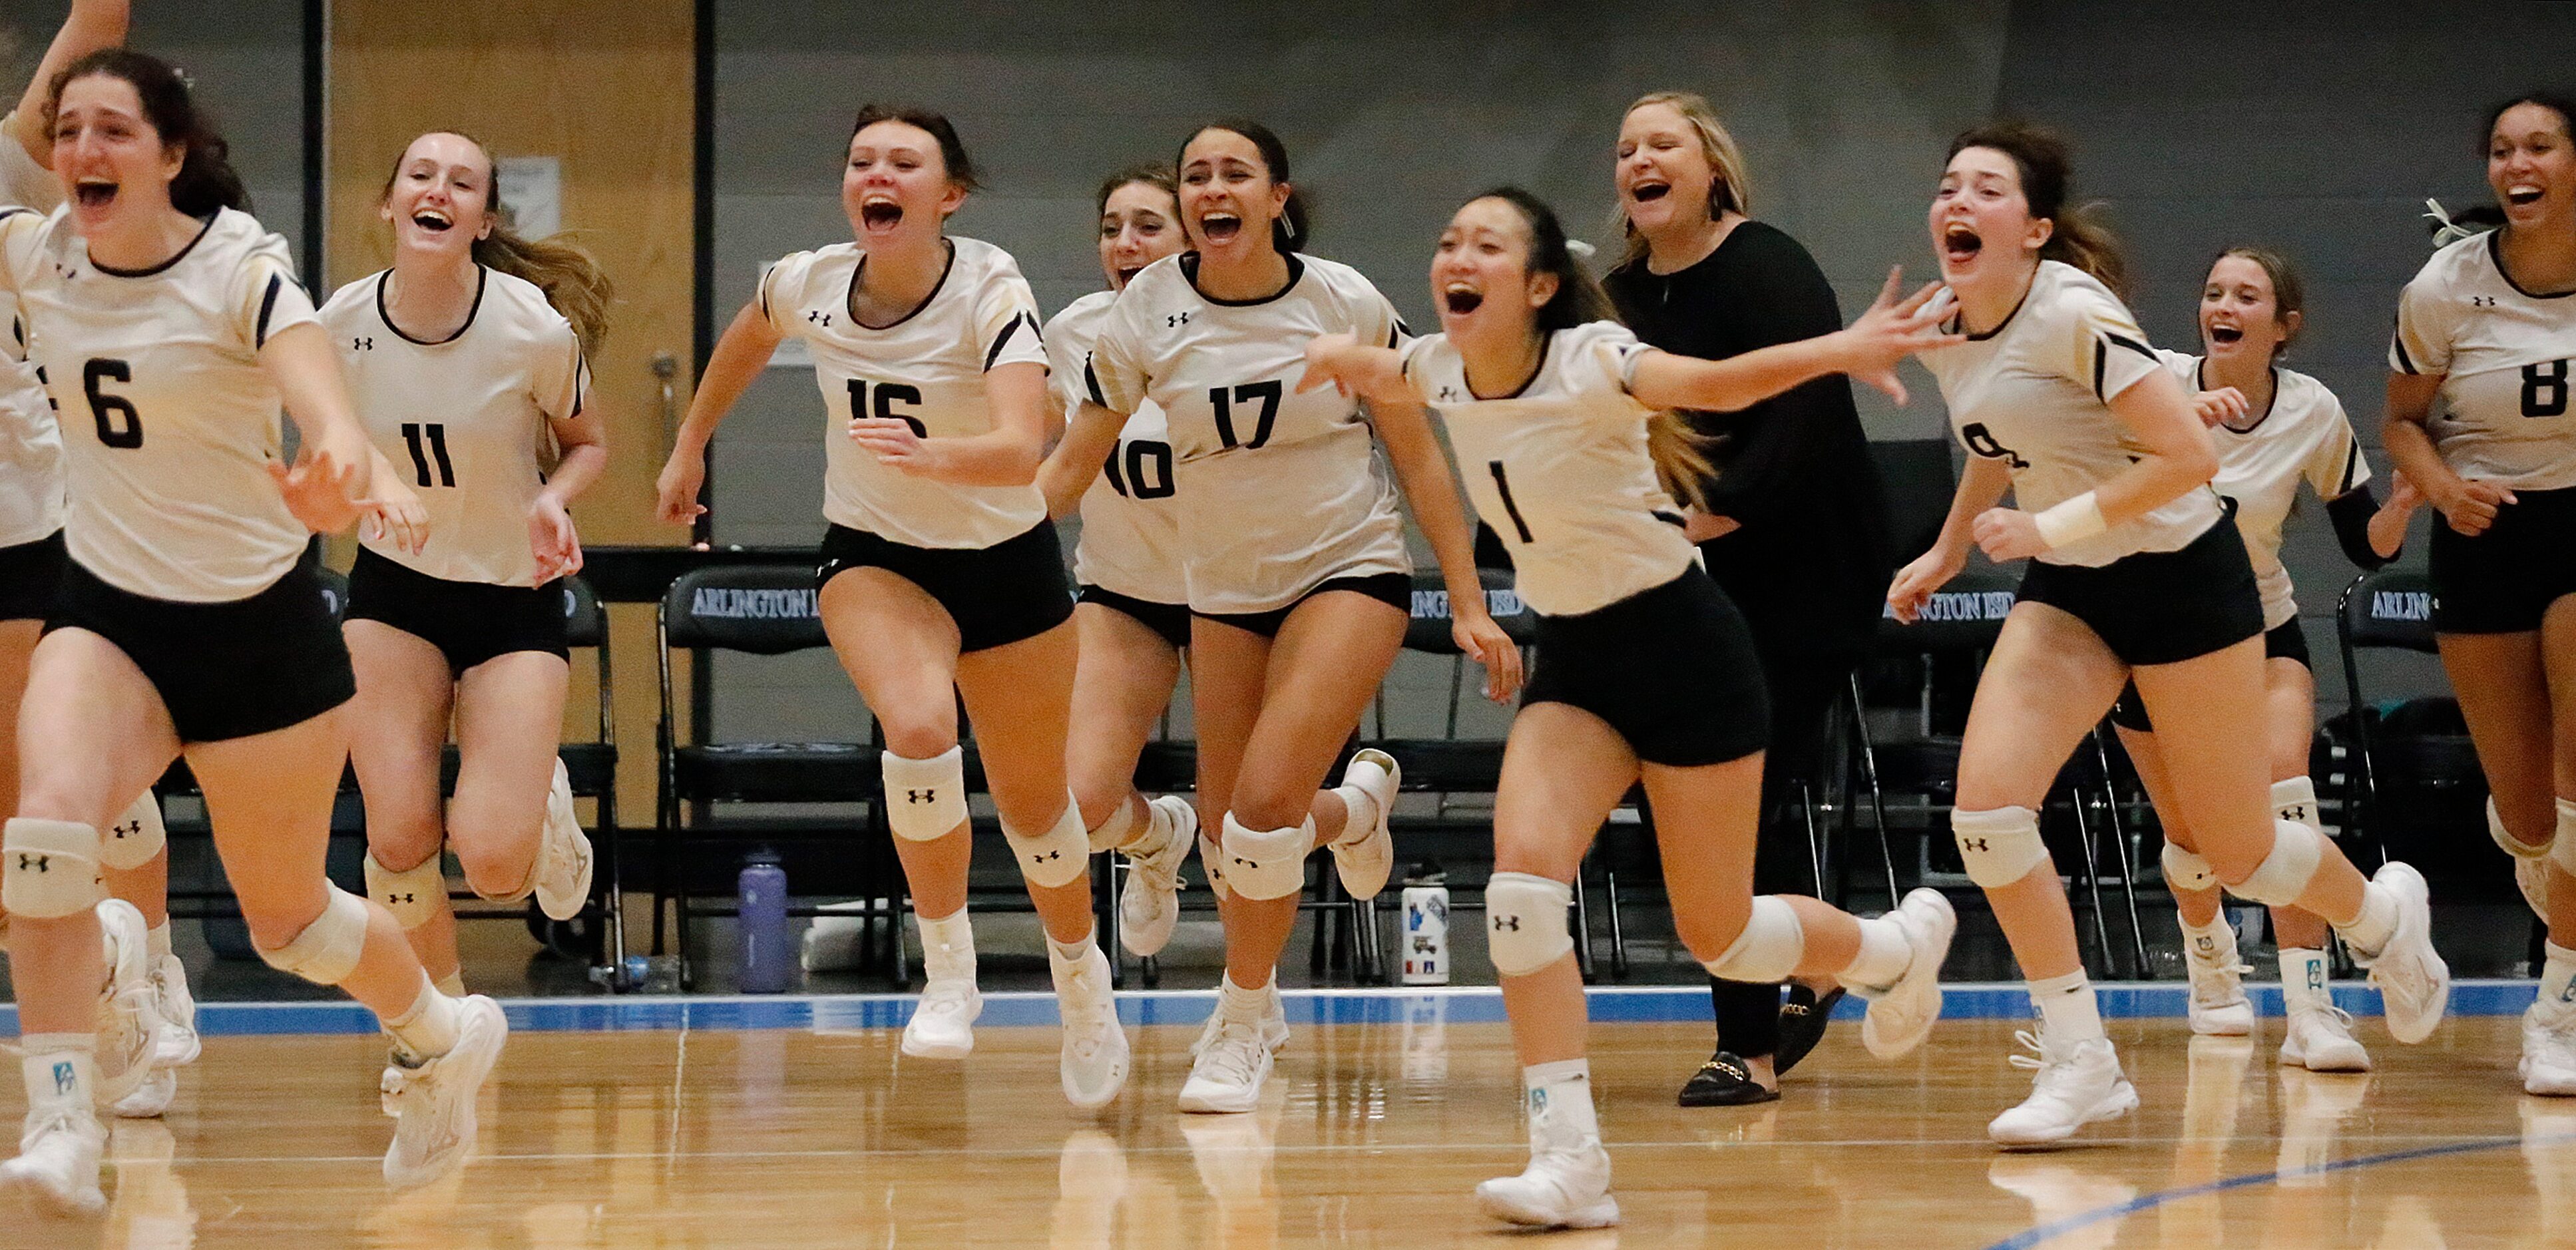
(1388, 1005)
(2030, 1238)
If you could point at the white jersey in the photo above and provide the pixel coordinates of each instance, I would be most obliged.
(465, 417)
(169, 423)
(2303, 437)
(927, 369)
(1559, 468)
(1279, 492)
(31, 450)
(1131, 528)
(2503, 412)
(2035, 393)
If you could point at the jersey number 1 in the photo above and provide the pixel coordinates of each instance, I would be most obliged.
(119, 425)
(412, 431)
(2544, 389)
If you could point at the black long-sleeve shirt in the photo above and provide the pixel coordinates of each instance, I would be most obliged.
(1810, 562)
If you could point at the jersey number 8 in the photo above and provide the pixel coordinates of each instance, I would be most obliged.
(2544, 389)
(126, 429)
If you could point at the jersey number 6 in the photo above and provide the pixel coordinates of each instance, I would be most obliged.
(888, 395)
(127, 430)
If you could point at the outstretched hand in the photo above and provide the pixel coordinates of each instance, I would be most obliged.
(1894, 328)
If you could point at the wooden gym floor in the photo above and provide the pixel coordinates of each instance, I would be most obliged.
(1372, 1135)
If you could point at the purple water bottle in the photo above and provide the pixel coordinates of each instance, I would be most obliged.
(768, 957)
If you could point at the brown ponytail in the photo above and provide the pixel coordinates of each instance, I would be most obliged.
(570, 277)
(2047, 167)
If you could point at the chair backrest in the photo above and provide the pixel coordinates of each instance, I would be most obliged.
(1917, 477)
(2389, 608)
(763, 609)
(1428, 631)
(1964, 616)
(585, 622)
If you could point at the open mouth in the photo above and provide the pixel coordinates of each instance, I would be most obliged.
(2523, 194)
(1960, 244)
(1220, 228)
(1462, 300)
(1649, 192)
(2225, 334)
(94, 193)
(432, 220)
(1127, 273)
(880, 214)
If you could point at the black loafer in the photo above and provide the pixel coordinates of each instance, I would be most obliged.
(1724, 1081)
(1802, 1023)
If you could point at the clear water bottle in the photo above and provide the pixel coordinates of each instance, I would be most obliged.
(768, 954)
(1426, 927)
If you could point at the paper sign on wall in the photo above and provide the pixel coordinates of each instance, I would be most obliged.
(532, 189)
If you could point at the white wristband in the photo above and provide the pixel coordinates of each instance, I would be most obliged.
(2071, 521)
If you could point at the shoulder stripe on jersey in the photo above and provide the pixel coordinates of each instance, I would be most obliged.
(580, 378)
(2133, 345)
(267, 305)
(7, 213)
(2351, 465)
(1091, 380)
(2101, 357)
(2397, 343)
(1004, 338)
(1397, 333)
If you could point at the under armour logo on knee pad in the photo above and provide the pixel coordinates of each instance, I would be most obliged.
(393, 899)
(1972, 844)
(1507, 924)
(921, 796)
(34, 863)
(126, 830)
(1050, 855)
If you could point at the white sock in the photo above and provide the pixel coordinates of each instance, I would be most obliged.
(1113, 832)
(2066, 1006)
(947, 946)
(453, 984)
(1073, 952)
(2303, 980)
(157, 940)
(2557, 979)
(428, 1029)
(1363, 814)
(1239, 1003)
(2369, 932)
(61, 1071)
(1558, 1100)
(2211, 943)
(1883, 957)
(1160, 829)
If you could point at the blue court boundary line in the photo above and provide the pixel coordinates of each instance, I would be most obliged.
(838, 1013)
(2029, 1238)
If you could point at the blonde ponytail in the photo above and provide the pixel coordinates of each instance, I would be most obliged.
(1680, 454)
(571, 279)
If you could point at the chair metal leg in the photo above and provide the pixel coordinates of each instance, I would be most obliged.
(2120, 846)
(2092, 870)
(1877, 796)
(1582, 929)
(1618, 931)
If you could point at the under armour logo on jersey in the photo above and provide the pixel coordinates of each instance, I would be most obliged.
(1507, 924)
(1450, 395)
(819, 317)
(1176, 320)
(921, 796)
(2482, 301)
(363, 343)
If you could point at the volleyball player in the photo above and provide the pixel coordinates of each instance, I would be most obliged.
(1646, 671)
(191, 621)
(133, 1079)
(1134, 613)
(2488, 328)
(2134, 577)
(941, 576)
(2274, 428)
(1793, 527)
(1293, 553)
(468, 372)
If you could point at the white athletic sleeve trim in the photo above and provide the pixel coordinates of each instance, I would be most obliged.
(1006, 323)
(23, 182)
(2426, 321)
(2335, 466)
(268, 300)
(2107, 353)
(782, 288)
(560, 385)
(1112, 376)
(20, 228)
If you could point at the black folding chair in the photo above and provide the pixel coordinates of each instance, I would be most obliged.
(2411, 775)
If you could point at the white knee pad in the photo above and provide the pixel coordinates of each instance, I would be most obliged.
(1056, 857)
(1115, 831)
(1266, 863)
(328, 949)
(136, 837)
(1212, 859)
(2186, 870)
(1525, 927)
(1768, 949)
(2296, 799)
(2505, 840)
(1999, 846)
(925, 799)
(2285, 873)
(2562, 843)
(50, 870)
(412, 894)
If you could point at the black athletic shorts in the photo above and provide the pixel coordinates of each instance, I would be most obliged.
(2503, 581)
(1671, 669)
(2160, 607)
(1171, 620)
(224, 670)
(30, 573)
(469, 622)
(1014, 590)
(2283, 642)
(1393, 589)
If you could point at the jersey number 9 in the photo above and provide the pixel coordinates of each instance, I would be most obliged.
(119, 425)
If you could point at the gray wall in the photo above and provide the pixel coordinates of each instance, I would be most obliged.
(247, 59)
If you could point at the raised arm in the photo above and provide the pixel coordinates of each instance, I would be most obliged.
(1868, 349)
(737, 360)
(93, 24)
